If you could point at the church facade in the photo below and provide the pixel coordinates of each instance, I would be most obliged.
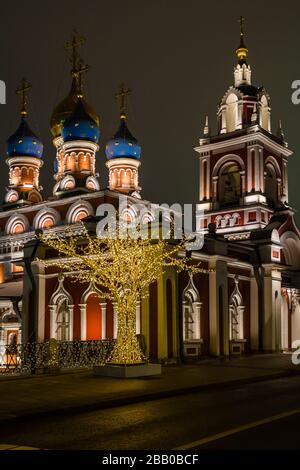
(247, 297)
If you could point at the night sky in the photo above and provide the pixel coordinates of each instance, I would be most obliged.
(178, 58)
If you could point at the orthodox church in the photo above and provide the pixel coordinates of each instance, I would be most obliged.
(247, 299)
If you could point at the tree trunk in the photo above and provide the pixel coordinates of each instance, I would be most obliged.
(126, 349)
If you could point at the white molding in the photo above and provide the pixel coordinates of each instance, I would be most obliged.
(248, 138)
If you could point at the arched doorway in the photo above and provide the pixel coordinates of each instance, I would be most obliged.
(93, 317)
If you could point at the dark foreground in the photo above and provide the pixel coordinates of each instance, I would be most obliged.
(261, 415)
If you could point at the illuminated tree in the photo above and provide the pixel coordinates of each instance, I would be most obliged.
(122, 266)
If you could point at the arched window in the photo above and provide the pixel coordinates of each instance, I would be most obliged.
(231, 112)
(71, 161)
(78, 211)
(191, 308)
(229, 184)
(61, 313)
(83, 161)
(236, 313)
(63, 321)
(16, 224)
(271, 191)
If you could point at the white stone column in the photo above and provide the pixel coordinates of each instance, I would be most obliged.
(71, 322)
(115, 320)
(249, 169)
(261, 173)
(40, 281)
(52, 310)
(217, 279)
(213, 312)
(103, 318)
(240, 116)
(197, 310)
(202, 176)
(215, 187)
(241, 322)
(254, 322)
(272, 310)
(286, 188)
(138, 318)
(223, 122)
(279, 189)
(242, 173)
(162, 326)
(256, 169)
(82, 321)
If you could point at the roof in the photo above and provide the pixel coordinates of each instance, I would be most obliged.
(11, 289)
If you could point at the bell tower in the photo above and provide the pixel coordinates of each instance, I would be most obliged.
(243, 167)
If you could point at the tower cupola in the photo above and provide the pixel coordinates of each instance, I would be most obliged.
(24, 150)
(123, 153)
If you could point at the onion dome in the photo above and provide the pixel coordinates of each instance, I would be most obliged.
(66, 107)
(24, 142)
(80, 125)
(123, 143)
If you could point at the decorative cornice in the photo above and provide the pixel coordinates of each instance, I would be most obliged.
(248, 138)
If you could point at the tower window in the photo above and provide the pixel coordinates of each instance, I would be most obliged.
(271, 186)
(230, 185)
(231, 112)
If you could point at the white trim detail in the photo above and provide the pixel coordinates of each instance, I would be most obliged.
(61, 299)
(14, 220)
(191, 310)
(236, 313)
(77, 207)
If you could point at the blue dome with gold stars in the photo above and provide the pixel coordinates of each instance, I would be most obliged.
(123, 144)
(80, 125)
(24, 142)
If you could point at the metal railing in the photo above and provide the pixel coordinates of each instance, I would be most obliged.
(29, 358)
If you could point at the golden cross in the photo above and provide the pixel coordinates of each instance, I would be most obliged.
(73, 46)
(78, 75)
(241, 21)
(22, 91)
(121, 96)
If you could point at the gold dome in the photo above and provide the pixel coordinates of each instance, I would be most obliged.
(65, 108)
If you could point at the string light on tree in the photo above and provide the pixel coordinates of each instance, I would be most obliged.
(122, 267)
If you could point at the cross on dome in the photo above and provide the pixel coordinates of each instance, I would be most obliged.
(22, 91)
(122, 96)
(242, 50)
(73, 46)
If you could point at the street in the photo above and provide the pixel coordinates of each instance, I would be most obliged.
(199, 420)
